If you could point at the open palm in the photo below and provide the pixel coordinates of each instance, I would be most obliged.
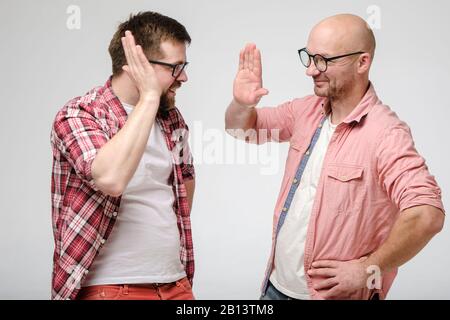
(247, 88)
(139, 68)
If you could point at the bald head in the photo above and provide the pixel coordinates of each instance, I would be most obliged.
(342, 34)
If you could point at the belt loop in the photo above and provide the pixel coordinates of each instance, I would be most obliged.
(125, 289)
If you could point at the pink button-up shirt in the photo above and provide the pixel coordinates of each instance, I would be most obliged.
(371, 172)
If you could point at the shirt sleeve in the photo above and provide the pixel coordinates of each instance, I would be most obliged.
(79, 137)
(403, 173)
(187, 166)
(275, 124)
(182, 148)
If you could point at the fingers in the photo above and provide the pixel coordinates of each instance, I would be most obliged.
(326, 284)
(241, 60)
(133, 50)
(248, 56)
(261, 92)
(251, 58)
(131, 53)
(138, 68)
(258, 94)
(322, 272)
(247, 86)
(333, 293)
(257, 65)
(126, 68)
(126, 50)
(128, 47)
(129, 56)
(142, 58)
(325, 264)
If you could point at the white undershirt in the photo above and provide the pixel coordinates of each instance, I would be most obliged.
(288, 275)
(144, 245)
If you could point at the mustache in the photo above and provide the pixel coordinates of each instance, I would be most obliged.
(175, 85)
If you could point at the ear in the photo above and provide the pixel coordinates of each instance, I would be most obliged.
(364, 63)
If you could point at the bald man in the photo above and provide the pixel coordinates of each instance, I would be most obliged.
(357, 200)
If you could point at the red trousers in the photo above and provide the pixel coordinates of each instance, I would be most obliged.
(178, 290)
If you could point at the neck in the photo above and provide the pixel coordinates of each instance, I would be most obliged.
(124, 89)
(341, 107)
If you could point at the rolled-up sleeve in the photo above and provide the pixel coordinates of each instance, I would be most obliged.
(275, 124)
(187, 166)
(79, 138)
(403, 173)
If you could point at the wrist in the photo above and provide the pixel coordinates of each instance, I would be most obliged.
(243, 106)
(149, 99)
(371, 262)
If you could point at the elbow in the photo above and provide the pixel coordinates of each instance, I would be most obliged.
(107, 182)
(114, 191)
(109, 186)
(433, 220)
(438, 225)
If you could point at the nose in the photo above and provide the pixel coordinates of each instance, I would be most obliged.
(312, 71)
(183, 76)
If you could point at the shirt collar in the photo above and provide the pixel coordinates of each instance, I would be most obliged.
(113, 102)
(361, 110)
(118, 109)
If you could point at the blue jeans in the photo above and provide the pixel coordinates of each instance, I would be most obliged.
(273, 294)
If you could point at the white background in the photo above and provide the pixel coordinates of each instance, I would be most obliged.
(44, 64)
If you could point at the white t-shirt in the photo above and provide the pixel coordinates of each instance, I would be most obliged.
(144, 245)
(288, 275)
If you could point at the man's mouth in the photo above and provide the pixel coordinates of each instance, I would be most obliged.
(319, 82)
(173, 89)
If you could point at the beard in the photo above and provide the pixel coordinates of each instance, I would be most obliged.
(335, 90)
(167, 102)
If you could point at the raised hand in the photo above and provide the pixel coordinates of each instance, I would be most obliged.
(247, 87)
(139, 69)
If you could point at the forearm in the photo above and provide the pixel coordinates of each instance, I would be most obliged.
(412, 231)
(190, 190)
(118, 159)
(240, 117)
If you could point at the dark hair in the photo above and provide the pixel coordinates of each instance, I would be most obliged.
(149, 30)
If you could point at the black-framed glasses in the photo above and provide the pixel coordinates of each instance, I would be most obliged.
(320, 61)
(177, 69)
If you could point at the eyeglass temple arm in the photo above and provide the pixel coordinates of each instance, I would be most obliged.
(343, 56)
(162, 63)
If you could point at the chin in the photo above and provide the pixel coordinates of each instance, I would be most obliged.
(320, 92)
(171, 104)
(166, 103)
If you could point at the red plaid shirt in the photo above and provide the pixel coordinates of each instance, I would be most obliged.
(83, 216)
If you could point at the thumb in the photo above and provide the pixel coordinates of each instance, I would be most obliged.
(126, 68)
(261, 92)
(128, 72)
